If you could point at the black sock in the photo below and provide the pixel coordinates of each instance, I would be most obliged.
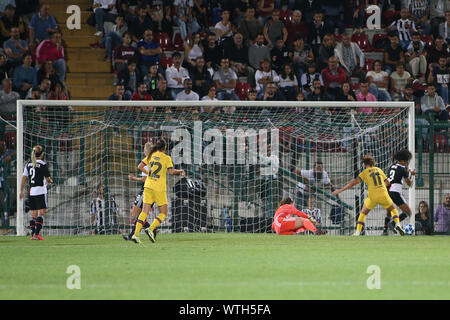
(32, 225)
(132, 230)
(146, 225)
(403, 216)
(39, 222)
(386, 223)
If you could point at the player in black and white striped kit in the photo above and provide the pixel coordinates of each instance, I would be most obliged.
(399, 173)
(39, 176)
(404, 27)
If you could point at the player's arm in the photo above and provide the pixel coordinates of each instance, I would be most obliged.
(301, 214)
(328, 182)
(175, 172)
(385, 178)
(22, 186)
(409, 179)
(304, 215)
(141, 167)
(47, 175)
(138, 179)
(301, 178)
(349, 185)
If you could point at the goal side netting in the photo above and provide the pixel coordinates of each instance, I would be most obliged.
(240, 158)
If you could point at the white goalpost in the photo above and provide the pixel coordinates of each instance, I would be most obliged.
(241, 158)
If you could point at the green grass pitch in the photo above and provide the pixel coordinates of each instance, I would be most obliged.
(226, 266)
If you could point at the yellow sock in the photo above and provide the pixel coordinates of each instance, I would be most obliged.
(157, 222)
(394, 214)
(361, 222)
(140, 222)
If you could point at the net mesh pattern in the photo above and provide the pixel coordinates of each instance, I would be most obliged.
(240, 162)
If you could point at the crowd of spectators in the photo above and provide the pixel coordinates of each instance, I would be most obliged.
(284, 50)
(280, 49)
(32, 59)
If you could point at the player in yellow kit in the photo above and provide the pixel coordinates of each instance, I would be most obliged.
(376, 181)
(155, 188)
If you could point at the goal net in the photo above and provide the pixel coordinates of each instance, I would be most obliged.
(240, 158)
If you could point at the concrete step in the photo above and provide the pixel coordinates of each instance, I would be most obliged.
(89, 91)
(80, 41)
(89, 79)
(91, 54)
(88, 66)
(86, 30)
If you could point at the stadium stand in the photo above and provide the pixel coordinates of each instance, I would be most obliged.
(90, 74)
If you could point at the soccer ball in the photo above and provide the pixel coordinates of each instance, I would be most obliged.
(409, 229)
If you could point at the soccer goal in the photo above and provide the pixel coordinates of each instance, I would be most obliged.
(241, 158)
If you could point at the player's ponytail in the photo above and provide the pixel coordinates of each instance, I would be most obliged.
(160, 145)
(36, 153)
(147, 148)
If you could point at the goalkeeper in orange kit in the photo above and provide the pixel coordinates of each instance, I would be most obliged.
(288, 220)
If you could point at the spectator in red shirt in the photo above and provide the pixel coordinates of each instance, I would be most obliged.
(141, 93)
(333, 77)
(124, 53)
(296, 28)
(53, 50)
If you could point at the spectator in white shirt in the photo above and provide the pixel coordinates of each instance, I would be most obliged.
(211, 96)
(264, 75)
(379, 82)
(187, 94)
(175, 75)
(316, 177)
(224, 28)
(225, 79)
(289, 83)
